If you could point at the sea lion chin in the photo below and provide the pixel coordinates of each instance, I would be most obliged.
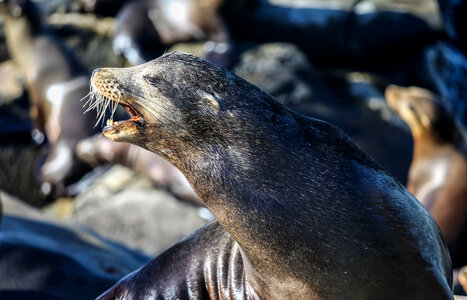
(122, 131)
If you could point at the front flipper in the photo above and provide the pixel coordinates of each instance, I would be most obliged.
(205, 265)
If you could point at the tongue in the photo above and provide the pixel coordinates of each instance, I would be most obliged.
(130, 111)
(135, 118)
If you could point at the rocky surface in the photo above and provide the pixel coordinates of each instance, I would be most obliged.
(18, 165)
(124, 207)
(282, 70)
(58, 260)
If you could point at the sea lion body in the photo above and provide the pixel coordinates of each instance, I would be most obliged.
(56, 82)
(439, 166)
(145, 28)
(313, 216)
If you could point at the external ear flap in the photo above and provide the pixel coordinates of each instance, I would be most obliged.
(211, 99)
(17, 11)
(425, 120)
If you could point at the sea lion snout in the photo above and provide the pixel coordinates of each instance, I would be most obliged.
(103, 81)
(107, 92)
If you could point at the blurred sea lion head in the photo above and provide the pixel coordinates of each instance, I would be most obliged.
(422, 110)
(20, 9)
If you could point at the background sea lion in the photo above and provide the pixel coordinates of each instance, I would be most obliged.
(307, 213)
(437, 175)
(145, 28)
(55, 81)
(135, 36)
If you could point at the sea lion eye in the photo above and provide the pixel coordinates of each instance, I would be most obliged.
(152, 80)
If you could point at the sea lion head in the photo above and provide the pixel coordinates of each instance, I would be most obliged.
(178, 102)
(422, 110)
(21, 9)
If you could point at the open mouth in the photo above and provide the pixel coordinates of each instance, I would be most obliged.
(135, 118)
(106, 94)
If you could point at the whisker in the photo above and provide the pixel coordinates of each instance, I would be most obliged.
(87, 95)
(104, 108)
(114, 107)
(100, 103)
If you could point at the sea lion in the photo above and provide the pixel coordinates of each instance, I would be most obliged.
(302, 212)
(135, 36)
(98, 150)
(439, 165)
(55, 81)
(145, 28)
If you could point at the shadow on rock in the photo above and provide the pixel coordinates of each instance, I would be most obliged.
(52, 261)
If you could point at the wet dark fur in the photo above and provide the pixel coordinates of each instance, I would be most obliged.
(314, 216)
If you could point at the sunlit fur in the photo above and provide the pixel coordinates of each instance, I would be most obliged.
(308, 214)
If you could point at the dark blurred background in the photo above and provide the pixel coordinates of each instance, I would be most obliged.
(80, 212)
